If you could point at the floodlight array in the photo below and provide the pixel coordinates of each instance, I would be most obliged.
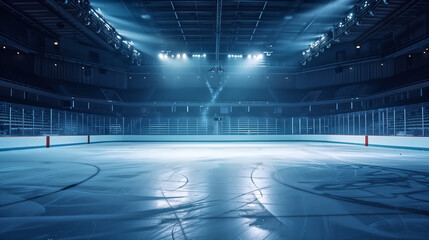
(94, 21)
(359, 11)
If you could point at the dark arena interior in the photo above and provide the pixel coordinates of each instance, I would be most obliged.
(214, 119)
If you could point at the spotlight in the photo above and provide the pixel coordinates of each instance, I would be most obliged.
(198, 55)
(17, 53)
(178, 55)
(235, 56)
(260, 56)
(4, 47)
(249, 56)
(358, 47)
(184, 55)
(161, 55)
(56, 43)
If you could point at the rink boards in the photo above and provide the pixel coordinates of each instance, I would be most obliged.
(12, 143)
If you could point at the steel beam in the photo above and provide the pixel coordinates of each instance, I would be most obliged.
(218, 30)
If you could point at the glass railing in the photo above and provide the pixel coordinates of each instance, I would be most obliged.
(22, 120)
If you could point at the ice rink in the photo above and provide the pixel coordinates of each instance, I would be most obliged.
(270, 190)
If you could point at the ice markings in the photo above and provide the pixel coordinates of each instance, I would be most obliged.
(36, 184)
(383, 187)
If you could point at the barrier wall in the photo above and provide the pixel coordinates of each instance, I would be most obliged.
(68, 140)
(403, 142)
(106, 138)
(11, 143)
(243, 138)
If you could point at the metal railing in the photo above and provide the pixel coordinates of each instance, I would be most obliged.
(22, 120)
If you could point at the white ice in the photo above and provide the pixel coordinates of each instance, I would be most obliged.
(267, 190)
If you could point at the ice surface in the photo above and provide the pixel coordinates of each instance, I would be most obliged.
(214, 191)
